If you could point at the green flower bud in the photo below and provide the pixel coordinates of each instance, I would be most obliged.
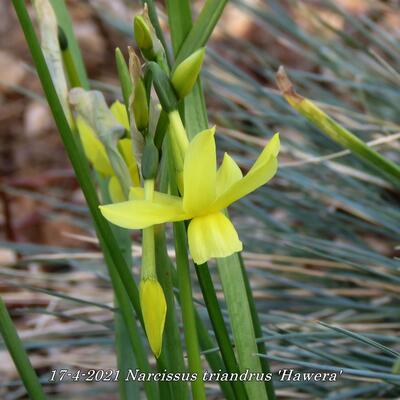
(162, 84)
(123, 74)
(140, 106)
(149, 159)
(143, 36)
(187, 72)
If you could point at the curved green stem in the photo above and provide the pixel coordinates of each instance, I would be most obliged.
(18, 354)
(218, 323)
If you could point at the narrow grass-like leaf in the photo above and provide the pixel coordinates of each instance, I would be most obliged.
(242, 325)
(201, 30)
(18, 354)
(180, 21)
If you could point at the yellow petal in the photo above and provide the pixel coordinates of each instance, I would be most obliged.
(139, 214)
(228, 173)
(154, 309)
(115, 190)
(134, 173)
(137, 193)
(260, 173)
(93, 148)
(126, 149)
(199, 173)
(211, 236)
(120, 114)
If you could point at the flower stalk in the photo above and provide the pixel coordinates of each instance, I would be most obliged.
(335, 131)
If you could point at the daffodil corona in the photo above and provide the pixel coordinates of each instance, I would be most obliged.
(207, 191)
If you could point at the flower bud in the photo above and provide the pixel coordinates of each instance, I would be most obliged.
(143, 36)
(149, 159)
(154, 310)
(146, 37)
(140, 106)
(187, 72)
(123, 74)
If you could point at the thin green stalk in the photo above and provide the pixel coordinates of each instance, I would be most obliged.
(206, 343)
(68, 60)
(64, 21)
(337, 132)
(18, 354)
(218, 323)
(213, 358)
(188, 314)
(262, 348)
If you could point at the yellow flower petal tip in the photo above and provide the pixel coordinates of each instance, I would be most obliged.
(212, 236)
(154, 310)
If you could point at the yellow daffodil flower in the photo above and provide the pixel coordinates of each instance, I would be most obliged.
(207, 191)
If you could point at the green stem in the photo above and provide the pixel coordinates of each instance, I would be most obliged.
(213, 358)
(337, 132)
(218, 323)
(64, 21)
(262, 348)
(188, 314)
(18, 354)
(70, 68)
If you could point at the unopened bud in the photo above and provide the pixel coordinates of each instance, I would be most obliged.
(187, 72)
(140, 106)
(143, 36)
(149, 159)
(154, 310)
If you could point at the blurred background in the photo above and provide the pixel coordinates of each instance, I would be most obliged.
(320, 240)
